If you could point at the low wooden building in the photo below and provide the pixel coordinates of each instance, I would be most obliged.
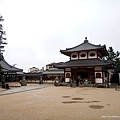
(87, 62)
(52, 74)
(32, 77)
(11, 73)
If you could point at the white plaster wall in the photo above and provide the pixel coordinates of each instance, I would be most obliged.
(98, 80)
(67, 79)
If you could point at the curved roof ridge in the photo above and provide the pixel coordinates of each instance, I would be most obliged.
(87, 43)
(84, 43)
(85, 46)
(74, 47)
(97, 45)
(5, 65)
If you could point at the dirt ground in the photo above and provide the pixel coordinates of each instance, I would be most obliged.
(62, 103)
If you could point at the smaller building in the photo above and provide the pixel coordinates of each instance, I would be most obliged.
(33, 77)
(51, 73)
(33, 69)
(34, 74)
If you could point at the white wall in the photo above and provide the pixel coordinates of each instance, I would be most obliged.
(87, 55)
(98, 80)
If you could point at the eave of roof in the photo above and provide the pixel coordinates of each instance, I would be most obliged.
(8, 68)
(85, 46)
(33, 74)
(53, 72)
(83, 63)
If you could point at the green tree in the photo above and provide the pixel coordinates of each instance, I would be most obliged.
(114, 57)
(2, 39)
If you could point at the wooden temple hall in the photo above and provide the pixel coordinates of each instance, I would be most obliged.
(10, 72)
(87, 62)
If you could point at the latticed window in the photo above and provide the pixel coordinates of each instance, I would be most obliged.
(74, 56)
(83, 55)
(92, 54)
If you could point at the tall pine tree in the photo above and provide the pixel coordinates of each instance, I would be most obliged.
(2, 39)
(114, 57)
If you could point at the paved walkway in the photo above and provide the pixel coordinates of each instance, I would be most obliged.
(16, 89)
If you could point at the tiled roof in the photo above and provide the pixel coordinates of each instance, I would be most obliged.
(8, 68)
(33, 74)
(85, 46)
(53, 72)
(83, 63)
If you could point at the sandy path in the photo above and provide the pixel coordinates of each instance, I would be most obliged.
(62, 103)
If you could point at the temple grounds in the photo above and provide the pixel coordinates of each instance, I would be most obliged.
(61, 103)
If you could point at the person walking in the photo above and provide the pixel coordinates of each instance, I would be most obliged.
(77, 82)
(71, 81)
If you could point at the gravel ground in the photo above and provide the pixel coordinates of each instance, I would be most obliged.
(62, 103)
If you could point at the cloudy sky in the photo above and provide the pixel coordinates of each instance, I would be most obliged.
(38, 29)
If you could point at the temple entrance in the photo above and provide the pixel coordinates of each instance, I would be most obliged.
(83, 75)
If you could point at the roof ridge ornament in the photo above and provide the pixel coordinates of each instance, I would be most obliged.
(86, 41)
